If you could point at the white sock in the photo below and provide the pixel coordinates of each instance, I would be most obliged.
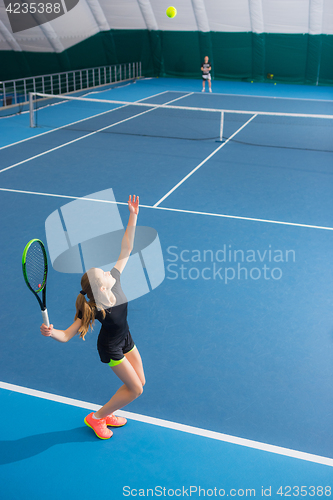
(95, 418)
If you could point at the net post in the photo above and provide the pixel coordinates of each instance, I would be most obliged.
(221, 125)
(31, 110)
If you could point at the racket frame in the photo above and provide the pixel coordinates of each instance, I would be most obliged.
(42, 288)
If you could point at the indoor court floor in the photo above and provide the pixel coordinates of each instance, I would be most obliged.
(237, 340)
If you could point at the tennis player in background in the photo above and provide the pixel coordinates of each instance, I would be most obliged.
(206, 69)
(108, 304)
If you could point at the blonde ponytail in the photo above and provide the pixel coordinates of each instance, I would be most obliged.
(87, 310)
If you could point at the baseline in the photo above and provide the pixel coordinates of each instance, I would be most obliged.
(175, 426)
(194, 212)
(261, 96)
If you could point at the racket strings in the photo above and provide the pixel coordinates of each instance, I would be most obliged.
(35, 267)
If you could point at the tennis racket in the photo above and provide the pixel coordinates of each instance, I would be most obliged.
(34, 265)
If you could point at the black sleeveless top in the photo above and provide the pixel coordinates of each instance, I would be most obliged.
(114, 326)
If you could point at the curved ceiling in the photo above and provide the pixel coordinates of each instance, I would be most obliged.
(89, 17)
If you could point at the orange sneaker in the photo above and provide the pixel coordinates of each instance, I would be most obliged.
(98, 426)
(114, 421)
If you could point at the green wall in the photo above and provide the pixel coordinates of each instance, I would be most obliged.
(302, 59)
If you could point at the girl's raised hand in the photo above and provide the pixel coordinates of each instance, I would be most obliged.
(46, 330)
(133, 205)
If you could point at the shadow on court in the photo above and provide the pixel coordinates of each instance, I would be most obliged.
(20, 449)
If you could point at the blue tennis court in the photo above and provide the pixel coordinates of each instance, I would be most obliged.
(236, 342)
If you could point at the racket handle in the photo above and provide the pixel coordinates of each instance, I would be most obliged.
(45, 318)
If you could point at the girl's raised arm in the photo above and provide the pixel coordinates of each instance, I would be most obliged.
(128, 239)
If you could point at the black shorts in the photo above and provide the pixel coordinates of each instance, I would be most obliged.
(113, 354)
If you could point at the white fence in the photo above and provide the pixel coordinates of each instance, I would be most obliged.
(17, 91)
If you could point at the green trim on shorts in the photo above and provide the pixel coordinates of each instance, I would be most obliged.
(115, 362)
(132, 349)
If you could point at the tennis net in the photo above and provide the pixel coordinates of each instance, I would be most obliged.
(174, 121)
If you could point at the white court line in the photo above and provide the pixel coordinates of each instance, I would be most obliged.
(181, 97)
(62, 127)
(202, 163)
(124, 104)
(78, 121)
(218, 436)
(194, 212)
(83, 136)
(261, 96)
(151, 96)
(65, 196)
(239, 217)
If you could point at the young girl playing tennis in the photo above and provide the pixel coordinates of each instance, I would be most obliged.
(108, 304)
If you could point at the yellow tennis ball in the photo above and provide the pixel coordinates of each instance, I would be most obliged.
(171, 11)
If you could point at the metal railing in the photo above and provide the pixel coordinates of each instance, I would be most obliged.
(17, 91)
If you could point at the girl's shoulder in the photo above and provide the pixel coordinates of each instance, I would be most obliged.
(115, 273)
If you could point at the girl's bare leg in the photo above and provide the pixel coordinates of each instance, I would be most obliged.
(135, 359)
(133, 384)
